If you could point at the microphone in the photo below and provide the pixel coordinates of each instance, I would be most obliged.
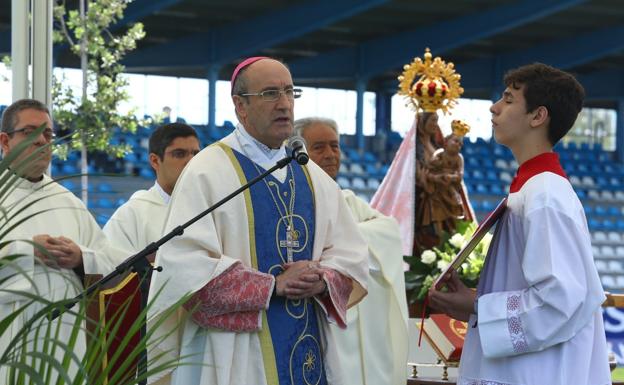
(299, 153)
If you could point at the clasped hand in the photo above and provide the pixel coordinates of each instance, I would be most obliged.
(57, 252)
(300, 279)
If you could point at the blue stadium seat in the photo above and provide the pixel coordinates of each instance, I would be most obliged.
(491, 175)
(482, 189)
(487, 205)
(343, 182)
(104, 188)
(101, 219)
(496, 189)
(600, 210)
(146, 173)
(369, 157)
(69, 169)
(608, 225)
(594, 225)
(477, 175)
(69, 184)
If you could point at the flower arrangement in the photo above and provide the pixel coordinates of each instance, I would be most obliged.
(425, 268)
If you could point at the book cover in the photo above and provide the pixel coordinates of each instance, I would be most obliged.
(483, 228)
(446, 336)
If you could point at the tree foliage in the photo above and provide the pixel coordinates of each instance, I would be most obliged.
(91, 120)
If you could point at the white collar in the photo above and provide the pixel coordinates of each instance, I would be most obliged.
(163, 194)
(241, 141)
(257, 151)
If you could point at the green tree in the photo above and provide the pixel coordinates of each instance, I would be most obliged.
(92, 116)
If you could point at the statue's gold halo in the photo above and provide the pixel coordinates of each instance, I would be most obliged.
(430, 85)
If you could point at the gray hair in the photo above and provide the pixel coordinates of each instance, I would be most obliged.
(302, 124)
(9, 116)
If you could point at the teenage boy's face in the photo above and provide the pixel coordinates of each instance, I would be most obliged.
(510, 119)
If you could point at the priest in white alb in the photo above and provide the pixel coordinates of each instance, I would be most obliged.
(373, 348)
(140, 221)
(69, 241)
(271, 268)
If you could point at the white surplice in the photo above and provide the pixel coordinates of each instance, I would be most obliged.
(57, 213)
(373, 349)
(539, 320)
(139, 221)
(218, 241)
(134, 225)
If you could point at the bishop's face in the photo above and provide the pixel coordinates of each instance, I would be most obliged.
(270, 122)
(27, 120)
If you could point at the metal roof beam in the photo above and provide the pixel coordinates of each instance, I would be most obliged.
(5, 41)
(235, 40)
(563, 53)
(139, 9)
(568, 53)
(379, 55)
(607, 84)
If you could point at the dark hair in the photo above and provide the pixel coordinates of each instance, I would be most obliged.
(240, 83)
(162, 137)
(558, 91)
(9, 116)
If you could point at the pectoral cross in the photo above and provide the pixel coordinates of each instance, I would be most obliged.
(290, 243)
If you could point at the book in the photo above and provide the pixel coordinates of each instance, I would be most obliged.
(445, 335)
(463, 254)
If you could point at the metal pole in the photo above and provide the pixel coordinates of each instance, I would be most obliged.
(42, 19)
(20, 48)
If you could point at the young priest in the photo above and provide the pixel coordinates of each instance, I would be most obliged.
(539, 296)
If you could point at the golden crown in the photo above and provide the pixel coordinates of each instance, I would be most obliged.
(437, 87)
(460, 128)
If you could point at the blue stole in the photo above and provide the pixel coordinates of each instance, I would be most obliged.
(293, 327)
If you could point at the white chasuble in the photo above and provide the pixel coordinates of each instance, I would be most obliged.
(234, 342)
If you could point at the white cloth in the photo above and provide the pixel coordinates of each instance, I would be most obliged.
(139, 221)
(373, 349)
(57, 212)
(396, 195)
(221, 239)
(539, 318)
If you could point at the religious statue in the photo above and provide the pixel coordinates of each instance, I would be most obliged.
(444, 198)
(420, 192)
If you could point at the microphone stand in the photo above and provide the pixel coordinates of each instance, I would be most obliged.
(139, 264)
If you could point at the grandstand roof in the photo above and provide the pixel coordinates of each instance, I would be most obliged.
(331, 43)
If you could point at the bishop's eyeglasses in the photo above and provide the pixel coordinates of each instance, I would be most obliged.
(274, 95)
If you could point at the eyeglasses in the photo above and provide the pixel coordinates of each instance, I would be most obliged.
(274, 95)
(180, 153)
(48, 133)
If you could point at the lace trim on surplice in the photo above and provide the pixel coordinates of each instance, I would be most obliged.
(514, 324)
